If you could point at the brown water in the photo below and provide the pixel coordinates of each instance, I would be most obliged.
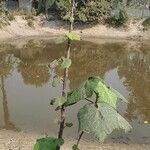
(26, 84)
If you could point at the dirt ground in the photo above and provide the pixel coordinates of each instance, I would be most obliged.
(10, 140)
(19, 28)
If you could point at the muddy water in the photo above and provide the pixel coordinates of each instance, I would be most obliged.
(26, 84)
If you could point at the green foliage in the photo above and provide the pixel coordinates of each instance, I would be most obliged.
(146, 24)
(62, 63)
(118, 19)
(73, 37)
(86, 10)
(94, 85)
(99, 118)
(101, 121)
(59, 101)
(65, 63)
(70, 36)
(75, 147)
(5, 16)
(78, 94)
(48, 143)
(56, 81)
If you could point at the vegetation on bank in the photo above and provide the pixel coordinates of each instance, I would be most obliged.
(110, 12)
(5, 15)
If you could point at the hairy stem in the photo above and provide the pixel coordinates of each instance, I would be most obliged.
(64, 90)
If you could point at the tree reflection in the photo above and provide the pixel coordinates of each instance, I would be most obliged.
(5, 69)
(135, 69)
(34, 74)
(93, 59)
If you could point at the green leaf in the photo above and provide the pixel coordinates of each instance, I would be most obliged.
(48, 143)
(73, 36)
(105, 94)
(101, 121)
(94, 85)
(56, 81)
(75, 147)
(65, 63)
(61, 39)
(69, 124)
(59, 101)
(78, 94)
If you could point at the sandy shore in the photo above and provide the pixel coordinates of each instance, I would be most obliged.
(19, 28)
(10, 140)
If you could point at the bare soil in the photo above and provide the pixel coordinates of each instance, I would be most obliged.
(19, 28)
(10, 140)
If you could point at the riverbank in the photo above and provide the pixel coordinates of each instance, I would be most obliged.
(10, 140)
(19, 28)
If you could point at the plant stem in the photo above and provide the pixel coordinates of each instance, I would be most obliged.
(96, 101)
(80, 136)
(64, 90)
(89, 100)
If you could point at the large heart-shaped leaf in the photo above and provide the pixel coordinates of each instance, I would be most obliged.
(101, 121)
(48, 143)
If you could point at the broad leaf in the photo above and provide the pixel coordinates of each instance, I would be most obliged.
(73, 36)
(65, 62)
(105, 94)
(56, 81)
(78, 94)
(59, 101)
(61, 39)
(101, 121)
(48, 143)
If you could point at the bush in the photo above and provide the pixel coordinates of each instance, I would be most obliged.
(5, 16)
(146, 24)
(118, 18)
(86, 10)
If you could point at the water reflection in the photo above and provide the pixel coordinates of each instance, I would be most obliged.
(126, 65)
(34, 74)
(5, 68)
(135, 69)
